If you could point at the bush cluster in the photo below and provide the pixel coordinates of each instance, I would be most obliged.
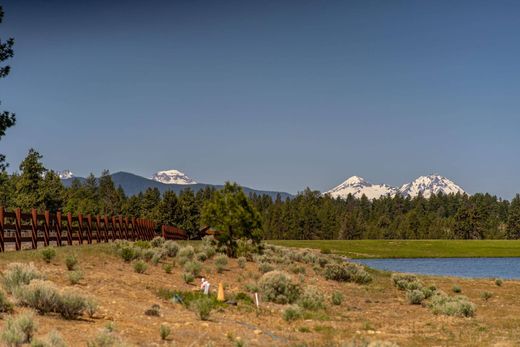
(221, 262)
(140, 267)
(19, 330)
(71, 262)
(292, 313)
(337, 298)
(277, 287)
(347, 272)
(452, 305)
(312, 299)
(48, 253)
(416, 292)
(18, 274)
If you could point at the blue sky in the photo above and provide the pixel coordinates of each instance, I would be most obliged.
(273, 94)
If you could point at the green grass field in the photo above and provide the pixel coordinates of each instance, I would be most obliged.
(412, 248)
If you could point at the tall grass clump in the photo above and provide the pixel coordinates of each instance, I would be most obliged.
(188, 277)
(498, 282)
(171, 248)
(164, 331)
(193, 267)
(277, 287)
(140, 267)
(452, 305)
(336, 298)
(312, 299)
(347, 272)
(167, 268)
(19, 330)
(202, 307)
(157, 241)
(292, 313)
(241, 262)
(75, 277)
(221, 262)
(48, 253)
(185, 254)
(18, 274)
(53, 339)
(71, 262)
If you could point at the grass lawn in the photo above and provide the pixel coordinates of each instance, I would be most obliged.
(412, 248)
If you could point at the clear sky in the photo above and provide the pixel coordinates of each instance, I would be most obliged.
(273, 94)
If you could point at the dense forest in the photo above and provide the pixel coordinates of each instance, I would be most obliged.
(309, 215)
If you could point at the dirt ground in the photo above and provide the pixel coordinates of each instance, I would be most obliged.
(376, 311)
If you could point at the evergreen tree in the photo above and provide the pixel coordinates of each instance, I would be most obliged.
(513, 219)
(51, 192)
(27, 189)
(7, 119)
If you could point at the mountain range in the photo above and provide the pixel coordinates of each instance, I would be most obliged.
(425, 185)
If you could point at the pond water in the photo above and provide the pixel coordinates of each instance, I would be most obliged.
(459, 267)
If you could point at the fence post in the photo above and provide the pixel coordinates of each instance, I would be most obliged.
(123, 228)
(69, 228)
(98, 229)
(34, 228)
(2, 221)
(80, 228)
(128, 230)
(89, 229)
(46, 228)
(58, 228)
(18, 231)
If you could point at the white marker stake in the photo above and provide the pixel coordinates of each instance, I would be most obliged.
(256, 300)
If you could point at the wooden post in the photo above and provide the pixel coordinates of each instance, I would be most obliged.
(34, 228)
(110, 233)
(123, 228)
(2, 223)
(46, 228)
(69, 228)
(58, 228)
(18, 231)
(98, 229)
(80, 228)
(129, 231)
(89, 229)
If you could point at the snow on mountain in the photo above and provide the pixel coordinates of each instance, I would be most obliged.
(425, 185)
(429, 185)
(65, 174)
(358, 186)
(172, 177)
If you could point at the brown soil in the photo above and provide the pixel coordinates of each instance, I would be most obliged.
(369, 312)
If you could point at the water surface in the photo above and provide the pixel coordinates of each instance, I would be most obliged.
(460, 267)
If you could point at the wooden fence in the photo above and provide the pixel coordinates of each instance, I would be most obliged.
(173, 233)
(18, 228)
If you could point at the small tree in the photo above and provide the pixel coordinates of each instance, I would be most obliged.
(233, 214)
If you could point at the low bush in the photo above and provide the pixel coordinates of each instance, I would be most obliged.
(188, 277)
(140, 266)
(292, 313)
(347, 272)
(53, 339)
(312, 299)
(19, 330)
(71, 262)
(72, 305)
(167, 268)
(128, 253)
(406, 281)
(337, 298)
(91, 308)
(142, 244)
(48, 253)
(186, 252)
(247, 248)
(498, 282)
(486, 295)
(452, 306)
(147, 254)
(75, 277)
(297, 269)
(43, 296)
(265, 267)
(415, 296)
(456, 289)
(201, 256)
(241, 262)
(221, 262)
(171, 248)
(154, 310)
(157, 241)
(277, 287)
(193, 267)
(18, 274)
(322, 261)
(165, 331)
(252, 288)
(104, 339)
(157, 257)
(202, 307)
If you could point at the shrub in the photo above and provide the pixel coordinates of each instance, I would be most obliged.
(251, 288)
(43, 296)
(247, 248)
(157, 241)
(48, 253)
(71, 262)
(325, 251)
(5, 304)
(148, 254)
(168, 268)
(156, 258)
(18, 274)
(456, 289)
(406, 281)
(186, 252)
(486, 295)
(75, 277)
(164, 331)
(347, 272)
(71, 305)
(19, 330)
(171, 248)
(415, 297)
(91, 307)
(312, 299)
(265, 267)
(242, 262)
(297, 269)
(452, 306)
(140, 266)
(104, 339)
(201, 256)
(188, 277)
(202, 307)
(277, 287)
(210, 251)
(337, 298)
(322, 261)
(221, 262)
(128, 253)
(54, 339)
(155, 311)
(498, 282)
(142, 244)
(292, 313)
(193, 267)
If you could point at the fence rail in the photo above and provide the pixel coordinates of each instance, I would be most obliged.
(18, 228)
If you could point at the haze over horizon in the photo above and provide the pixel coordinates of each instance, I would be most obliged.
(276, 95)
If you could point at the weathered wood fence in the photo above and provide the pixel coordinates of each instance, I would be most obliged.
(17, 228)
(170, 232)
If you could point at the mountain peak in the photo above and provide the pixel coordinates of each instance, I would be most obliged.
(429, 185)
(65, 174)
(356, 180)
(172, 176)
(358, 186)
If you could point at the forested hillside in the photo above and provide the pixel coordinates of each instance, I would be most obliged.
(309, 215)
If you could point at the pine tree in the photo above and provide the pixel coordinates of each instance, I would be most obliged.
(7, 119)
(27, 189)
(513, 219)
(51, 192)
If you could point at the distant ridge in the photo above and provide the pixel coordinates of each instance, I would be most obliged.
(134, 184)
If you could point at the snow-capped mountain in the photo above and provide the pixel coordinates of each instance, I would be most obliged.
(65, 174)
(172, 177)
(428, 185)
(358, 186)
(425, 185)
